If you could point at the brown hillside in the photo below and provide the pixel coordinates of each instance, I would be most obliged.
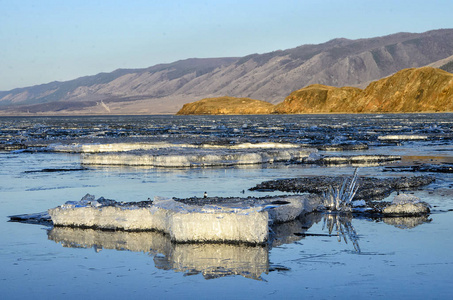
(411, 90)
(226, 106)
(319, 98)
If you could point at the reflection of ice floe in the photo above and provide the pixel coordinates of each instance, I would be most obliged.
(407, 222)
(212, 260)
(289, 232)
(216, 260)
(187, 157)
(184, 222)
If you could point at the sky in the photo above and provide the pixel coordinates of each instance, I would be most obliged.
(55, 40)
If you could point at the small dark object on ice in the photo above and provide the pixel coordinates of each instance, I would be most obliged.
(280, 202)
(312, 234)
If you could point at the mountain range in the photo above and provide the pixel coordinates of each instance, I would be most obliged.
(164, 88)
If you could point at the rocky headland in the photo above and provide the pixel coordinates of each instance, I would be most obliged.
(226, 105)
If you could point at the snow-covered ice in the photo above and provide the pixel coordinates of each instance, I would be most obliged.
(183, 222)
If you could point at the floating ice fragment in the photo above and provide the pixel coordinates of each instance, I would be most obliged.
(407, 205)
(405, 198)
(184, 222)
(402, 137)
(358, 203)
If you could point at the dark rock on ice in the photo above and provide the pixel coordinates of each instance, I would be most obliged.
(445, 168)
(368, 188)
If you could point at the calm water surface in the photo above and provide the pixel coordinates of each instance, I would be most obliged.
(394, 262)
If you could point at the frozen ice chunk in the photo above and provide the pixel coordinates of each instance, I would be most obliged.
(405, 198)
(289, 211)
(405, 204)
(358, 203)
(402, 137)
(182, 222)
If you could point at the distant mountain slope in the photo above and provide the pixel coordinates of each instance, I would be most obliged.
(271, 76)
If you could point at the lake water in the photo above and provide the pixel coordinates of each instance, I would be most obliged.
(396, 259)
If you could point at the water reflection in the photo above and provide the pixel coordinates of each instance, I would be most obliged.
(341, 223)
(219, 260)
(210, 260)
(407, 222)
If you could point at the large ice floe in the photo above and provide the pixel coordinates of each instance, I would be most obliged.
(186, 155)
(183, 223)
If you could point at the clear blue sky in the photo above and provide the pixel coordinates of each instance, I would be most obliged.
(47, 40)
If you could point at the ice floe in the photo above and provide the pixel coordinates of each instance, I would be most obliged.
(184, 222)
(186, 157)
(404, 137)
(407, 205)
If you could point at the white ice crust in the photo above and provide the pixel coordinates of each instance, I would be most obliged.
(123, 147)
(186, 157)
(182, 222)
(405, 137)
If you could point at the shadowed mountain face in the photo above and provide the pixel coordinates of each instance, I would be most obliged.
(271, 76)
